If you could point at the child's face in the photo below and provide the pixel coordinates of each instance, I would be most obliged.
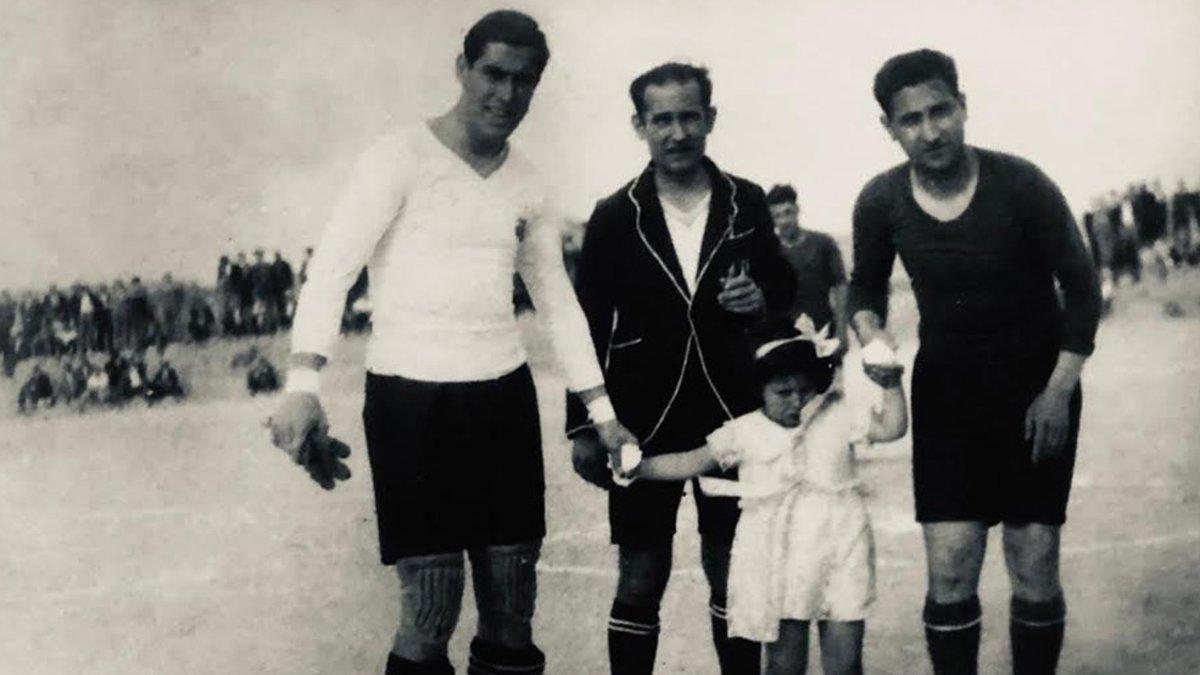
(785, 396)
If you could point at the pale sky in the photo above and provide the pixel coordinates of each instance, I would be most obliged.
(144, 136)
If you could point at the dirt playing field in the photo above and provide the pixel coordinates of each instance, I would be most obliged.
(176, 540)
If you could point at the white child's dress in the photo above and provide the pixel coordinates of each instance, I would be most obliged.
(803, 547)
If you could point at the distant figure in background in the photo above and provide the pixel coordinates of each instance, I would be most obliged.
(201, 320)
(8, 316)
(164, 383)
(1150, 221)
(1183, 217)
(308, 254)
(97, 390)
(37, 391)
(1125, 253)
(227, 297)
(264, 308)
(282, 282)
(141, 315)
(817, 262)
(169, 305)
(239, 280)
(262, 377)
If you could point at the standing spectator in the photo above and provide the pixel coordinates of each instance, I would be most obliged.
(169, 306)
(201, 321)
(1182, 218)
(226, 296)
(817, 263)
(308, 253)
(262, 286)
(141, 315)
(1151, 226)
(239, 279)
(8, 317)
(281, 287)
(121, 320)
(1125, 251)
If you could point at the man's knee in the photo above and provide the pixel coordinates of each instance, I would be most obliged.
(431, 589)
(505, 579)
(643, 575)
(1032, 554)
(954, 553)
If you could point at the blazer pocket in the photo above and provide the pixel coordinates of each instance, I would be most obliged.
(624, 343)
(738, 236)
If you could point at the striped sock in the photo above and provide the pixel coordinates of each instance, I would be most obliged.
(488, 658)
(632, 639)
(736, 655)
(1035, 631)
(952, 635)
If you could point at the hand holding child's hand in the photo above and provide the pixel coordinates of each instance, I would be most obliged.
(625, 464)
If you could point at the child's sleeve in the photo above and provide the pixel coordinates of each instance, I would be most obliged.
(724, 446)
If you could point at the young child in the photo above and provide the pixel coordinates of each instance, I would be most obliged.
(803, 550)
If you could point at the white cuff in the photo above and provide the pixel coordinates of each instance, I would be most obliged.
(303, 379)
(600, 409)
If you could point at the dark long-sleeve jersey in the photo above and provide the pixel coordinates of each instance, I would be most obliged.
(985, 281)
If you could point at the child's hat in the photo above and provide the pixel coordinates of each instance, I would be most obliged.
(802, 330)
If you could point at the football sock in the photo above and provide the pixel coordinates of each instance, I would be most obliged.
(488, 658)
(952, 635)
(1035, 631)
(737, 656)
(632, 639)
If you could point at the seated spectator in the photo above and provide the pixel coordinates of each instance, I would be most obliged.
(165, 383)
(262, 377)
(97, 391)
(36, 392)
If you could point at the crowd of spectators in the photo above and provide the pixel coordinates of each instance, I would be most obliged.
(1143, 228)
(90, 342)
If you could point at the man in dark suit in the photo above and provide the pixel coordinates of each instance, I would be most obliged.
(674, 265)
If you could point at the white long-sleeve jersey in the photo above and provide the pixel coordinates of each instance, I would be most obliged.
(441, 244)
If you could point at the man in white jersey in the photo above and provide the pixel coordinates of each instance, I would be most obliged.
(443, 213)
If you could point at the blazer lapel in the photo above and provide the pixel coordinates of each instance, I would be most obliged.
(652, 228)
(721, 213)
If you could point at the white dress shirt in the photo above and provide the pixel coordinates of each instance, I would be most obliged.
(687, 233)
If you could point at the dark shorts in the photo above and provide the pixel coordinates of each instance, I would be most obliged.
(971, 461)
(454, 465)
(644, 513)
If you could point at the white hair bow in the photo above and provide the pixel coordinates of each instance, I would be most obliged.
(825, 346)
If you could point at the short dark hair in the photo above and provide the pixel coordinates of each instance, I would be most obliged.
(509, 27)
(912, 68)
(796, 357)
(782, 194)
(680, 73)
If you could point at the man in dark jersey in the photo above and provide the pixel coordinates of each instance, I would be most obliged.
(996, 395)
(817, 262)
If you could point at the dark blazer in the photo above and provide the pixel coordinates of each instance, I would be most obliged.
(645, 324)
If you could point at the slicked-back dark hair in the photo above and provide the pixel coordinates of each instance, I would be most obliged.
(912, 68)
(782, 194)
(680, 73)
(509, 27)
